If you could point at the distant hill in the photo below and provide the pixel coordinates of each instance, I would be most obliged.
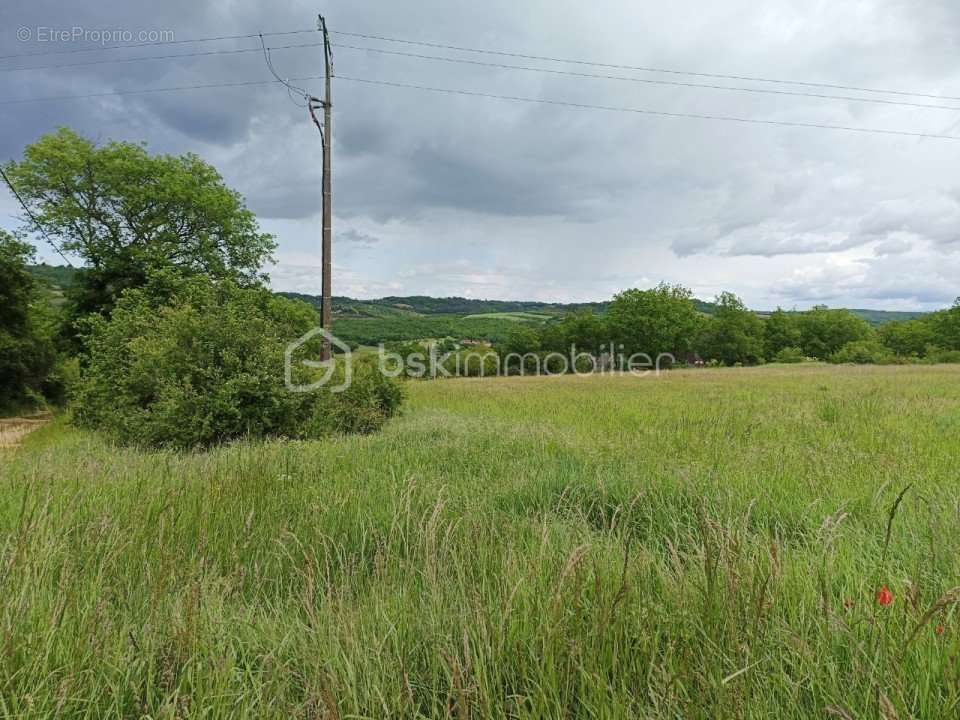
(399, 307)
(58, 276)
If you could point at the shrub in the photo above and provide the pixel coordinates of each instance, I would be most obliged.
(789, 355)
(189, 362)
(937, 355)
(863, 352)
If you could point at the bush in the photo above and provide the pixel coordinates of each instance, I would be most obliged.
(790, 355)
(863, 352)
(188, 362)
(936, 355)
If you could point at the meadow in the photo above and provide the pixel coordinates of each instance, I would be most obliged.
(707, 544)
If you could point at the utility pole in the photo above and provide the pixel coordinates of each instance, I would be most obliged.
(326, 134)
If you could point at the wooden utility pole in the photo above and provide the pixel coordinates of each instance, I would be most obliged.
(326, 133)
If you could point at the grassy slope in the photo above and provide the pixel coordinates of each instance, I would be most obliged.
(596, 547)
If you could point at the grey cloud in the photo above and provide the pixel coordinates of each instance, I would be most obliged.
(581, 201)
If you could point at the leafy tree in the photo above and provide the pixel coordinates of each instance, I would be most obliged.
(661, 320)
(908, 338)
(128, 213)
(521, 339)
(27, 351)
(781, 331)
(946, 327)
(733, 335)
(824, 331)
(192, 362)
(583, 329)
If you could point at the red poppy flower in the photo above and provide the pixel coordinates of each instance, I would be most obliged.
(884, 596)
(939, 629)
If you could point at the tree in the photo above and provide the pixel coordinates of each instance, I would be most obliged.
(661, 320)
(946, 327)
(781, 331)
(824, 331)
(128, 213)
(908, 338)
(27, 352)
(733, 335)
(583, 330)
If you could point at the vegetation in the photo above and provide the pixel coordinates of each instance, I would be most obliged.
(127, 214)
(734, 334)
(189, 363)
(661, 320)
(526, 548)
(27, 326)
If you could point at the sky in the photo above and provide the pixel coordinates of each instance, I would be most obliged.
(444, 194)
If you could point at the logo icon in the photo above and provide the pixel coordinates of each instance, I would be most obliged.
(329, 366)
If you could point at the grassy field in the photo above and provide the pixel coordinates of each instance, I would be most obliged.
(703, 545)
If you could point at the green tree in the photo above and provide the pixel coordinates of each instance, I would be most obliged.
(583, 329)
(27, 352)
(824, 331)
(908, 338)
(661, 320)
(781, 331)
(733, 335)
(128, 213)
(946, 327)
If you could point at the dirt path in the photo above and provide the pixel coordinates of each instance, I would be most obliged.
(13, 430)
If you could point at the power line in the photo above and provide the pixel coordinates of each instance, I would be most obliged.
(216, 38)
(33, 217)
(648, 81)
(207, 86)
(203, 53)
(561, 103)
(659, 113)
(640, 68)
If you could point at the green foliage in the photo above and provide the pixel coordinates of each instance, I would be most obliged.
(661, 320)
(935, 354)
(192, 362)
(824, 331)
(407, 327)
(781, 331)
(128, 214)
(908, 338)
(583, 330)
(946, 327)
(27, 327)
(789, 355)
(734, 334)
(863, 352)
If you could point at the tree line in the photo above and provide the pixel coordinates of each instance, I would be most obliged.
(665, 320)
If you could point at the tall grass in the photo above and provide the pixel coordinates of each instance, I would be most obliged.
(704, 545)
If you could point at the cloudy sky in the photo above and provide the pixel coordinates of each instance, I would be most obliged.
(461, 195)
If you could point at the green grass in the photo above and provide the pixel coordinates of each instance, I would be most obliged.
(703, 545)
